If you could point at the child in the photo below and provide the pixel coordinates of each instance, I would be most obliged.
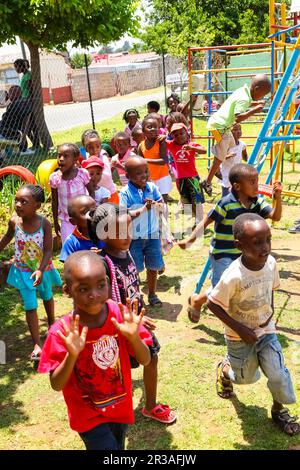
(234, 111)
(145, 246)
(124, 281)
(138, 136)
(95, 167)
(32, 269)
(237, 154)
(87, 355)
(78, 208)
(188, 181)
(154, 152)
(124, 149)
(65, 183)
(131, 117)
(242, 300)
(243, 198)
(92, 145)
(154, 107)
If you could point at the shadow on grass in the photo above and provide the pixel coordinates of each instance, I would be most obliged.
(258, 429)
(219, 337)
(167, 312)
(18, 367)
(147, 433)
(164, 283)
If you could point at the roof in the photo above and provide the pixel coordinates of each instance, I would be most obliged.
(118, 58)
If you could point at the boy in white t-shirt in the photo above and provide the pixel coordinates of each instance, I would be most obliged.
(243, 301)
(236, 155)
(95, 168)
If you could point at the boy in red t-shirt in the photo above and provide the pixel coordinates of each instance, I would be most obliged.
(87, 355)
(188, 180)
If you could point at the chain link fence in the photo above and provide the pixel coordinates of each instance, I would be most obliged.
(33, 117)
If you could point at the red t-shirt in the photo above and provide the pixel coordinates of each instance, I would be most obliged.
(184, 160)
(99, 388)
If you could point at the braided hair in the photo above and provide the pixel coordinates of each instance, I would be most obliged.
(99, 218)
(36, 190)
(72, 147)
(89, 133)
(128, 111)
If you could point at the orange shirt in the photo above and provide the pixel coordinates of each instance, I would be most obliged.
(156, 171)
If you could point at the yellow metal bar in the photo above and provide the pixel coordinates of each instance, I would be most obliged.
(283, 18)
(271, 16)
(233, 69)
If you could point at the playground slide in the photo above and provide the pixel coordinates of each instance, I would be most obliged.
(44, 171)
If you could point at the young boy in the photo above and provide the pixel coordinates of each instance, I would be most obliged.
(233, 111)
(237, 154)
(145, 247)
(242, 300)
(187, 181)
(243, 198)
(124, 282)
(87, 355)
(125, 151)
(95, 168)
(78, 207)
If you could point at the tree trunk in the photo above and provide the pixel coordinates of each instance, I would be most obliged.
(37, 97)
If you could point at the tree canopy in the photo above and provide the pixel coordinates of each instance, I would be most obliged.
(175, 26)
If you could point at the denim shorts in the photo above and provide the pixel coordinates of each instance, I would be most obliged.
(266, 354)
(106, 436)
(147, 253)
(218, 266)
(29, 297)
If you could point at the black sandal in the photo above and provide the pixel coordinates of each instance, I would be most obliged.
(287, 423)
(154, 301)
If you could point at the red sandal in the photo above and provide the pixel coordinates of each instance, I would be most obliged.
(161, 413)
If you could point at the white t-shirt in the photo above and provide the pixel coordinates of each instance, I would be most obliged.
(100, 194)
(228, 163)
(247, 296)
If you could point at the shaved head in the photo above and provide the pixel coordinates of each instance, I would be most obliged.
(134, 162)
(79, 202)
(79, 264)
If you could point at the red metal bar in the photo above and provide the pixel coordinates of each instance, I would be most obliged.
(190, 65)
(250, 46)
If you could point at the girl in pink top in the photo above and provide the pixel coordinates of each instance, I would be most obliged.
(125, 151)
(131, 117)
(92, 144)
(67, 182)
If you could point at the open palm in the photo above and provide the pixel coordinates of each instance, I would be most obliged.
(73, 341)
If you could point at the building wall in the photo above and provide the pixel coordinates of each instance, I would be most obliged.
(103, 85)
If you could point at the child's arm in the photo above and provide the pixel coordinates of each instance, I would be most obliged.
(54, 203)
(9, 234)
(245, 154)
(130, 329)
(196, 233)
(275, 215)
(47, 253)
(74, 343)
(90, 189)
(247, 335)
(243, 116)
(197, 148)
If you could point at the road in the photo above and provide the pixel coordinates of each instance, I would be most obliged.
(66, 116)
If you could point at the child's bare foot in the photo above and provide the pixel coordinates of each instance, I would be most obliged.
(194, 309)
(223, 384)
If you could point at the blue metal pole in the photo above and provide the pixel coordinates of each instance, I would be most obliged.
(203, 276)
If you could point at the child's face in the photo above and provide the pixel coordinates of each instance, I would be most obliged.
(138, 136)
(139, 174)
(88, 287)
(93, 146)
(172, 104)
(80, 208)
(237, 132)
(65, 159)
(151, 129)
(248, 185)
(180, 136)
(131, 119)
(25, 204)
(169, 123)
(122, 145)
(122, 236)
(258, 92)
(95, 173)
(255, 243)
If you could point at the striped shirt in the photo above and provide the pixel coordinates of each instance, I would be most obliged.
(224, 214)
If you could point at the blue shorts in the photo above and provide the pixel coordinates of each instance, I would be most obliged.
(265, 354)
(30, 299)
(147, 253)
(106, 436)
(218, 266)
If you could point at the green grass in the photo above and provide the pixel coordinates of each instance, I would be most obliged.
(33, 416)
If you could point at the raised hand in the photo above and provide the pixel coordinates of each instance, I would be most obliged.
(73, 341)
(277, 189)
(131, 320)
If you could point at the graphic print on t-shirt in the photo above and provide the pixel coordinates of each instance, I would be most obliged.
(100, 380)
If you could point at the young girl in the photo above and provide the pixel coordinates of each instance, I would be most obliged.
(124, 283)
(154, 152)
(65, 183)
(124, 149)
(92, 145)
(95, 168)
(131, 117)
(87, 355)
(32, 269)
